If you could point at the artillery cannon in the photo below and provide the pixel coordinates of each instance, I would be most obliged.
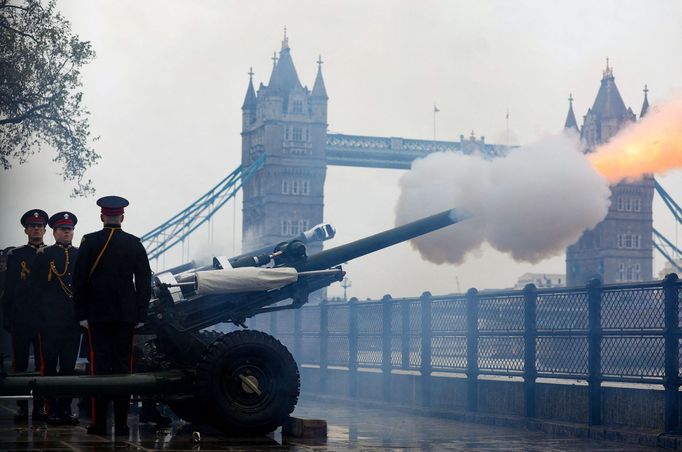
(244, 382)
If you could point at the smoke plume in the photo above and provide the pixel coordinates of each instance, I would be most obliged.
(531, 204)
(538, 199)
(652, 145)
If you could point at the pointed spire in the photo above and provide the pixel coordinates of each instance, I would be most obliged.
(608, 103)
(284, 77)
(285, 41)
(319, 90)
(608, 72)
(571, 123)
(645, 105)
(250, 98)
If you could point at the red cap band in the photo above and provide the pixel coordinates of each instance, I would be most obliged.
(63, 222)
(108, 212)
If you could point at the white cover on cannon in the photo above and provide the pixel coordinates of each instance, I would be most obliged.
(244, 279)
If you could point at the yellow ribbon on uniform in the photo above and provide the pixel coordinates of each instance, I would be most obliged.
(24, 271)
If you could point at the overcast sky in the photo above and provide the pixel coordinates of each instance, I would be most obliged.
(170, 76)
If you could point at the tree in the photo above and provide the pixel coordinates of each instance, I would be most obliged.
(40, 97)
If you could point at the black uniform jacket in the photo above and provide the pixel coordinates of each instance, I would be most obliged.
(104, 290)
(51, 289)
(18, 313)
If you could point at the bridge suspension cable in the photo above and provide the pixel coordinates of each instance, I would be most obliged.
(661, 249)
(660, 242)
(181, 225)
(669, 201)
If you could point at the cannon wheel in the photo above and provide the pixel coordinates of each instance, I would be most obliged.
(189, 410)
(247, 383)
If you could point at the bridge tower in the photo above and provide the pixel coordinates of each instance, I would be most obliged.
(620, 248)
(288, 123)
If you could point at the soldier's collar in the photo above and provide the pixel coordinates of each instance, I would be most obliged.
(112, 226)
(38, 246)
(63, 245)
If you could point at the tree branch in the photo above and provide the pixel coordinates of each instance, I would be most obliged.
(26, 35)
(23, 116)
(5, 5)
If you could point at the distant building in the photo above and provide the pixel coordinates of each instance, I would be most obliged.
(620, 248)
(668, 268)
(541, 280)
(288, 123)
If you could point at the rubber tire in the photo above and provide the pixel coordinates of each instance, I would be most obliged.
(222, 395)
(209, 336)
(189, 410)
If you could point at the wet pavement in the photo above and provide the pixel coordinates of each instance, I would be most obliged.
(349, 428)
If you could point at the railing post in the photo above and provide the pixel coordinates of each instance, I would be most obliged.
(530, 296)
(426, 348)
(671, 334)
(298, 333)
(324, 344)
(594, 337)
(472, 349)
(353, 346)
(386, 347)
(405, 334)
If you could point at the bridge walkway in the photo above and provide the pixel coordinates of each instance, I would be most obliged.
(349, 428)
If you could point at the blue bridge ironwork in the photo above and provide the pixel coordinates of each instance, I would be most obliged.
(397, 152)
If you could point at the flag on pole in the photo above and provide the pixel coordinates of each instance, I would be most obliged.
(435, 109)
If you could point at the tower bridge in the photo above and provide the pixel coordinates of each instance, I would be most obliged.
(287, 147)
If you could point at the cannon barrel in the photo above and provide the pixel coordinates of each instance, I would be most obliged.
(367, 245)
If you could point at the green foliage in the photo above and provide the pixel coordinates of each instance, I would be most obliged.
(40, 97)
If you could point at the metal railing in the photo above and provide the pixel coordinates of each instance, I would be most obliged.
(617, 333)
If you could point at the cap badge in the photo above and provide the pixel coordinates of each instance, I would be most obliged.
(66, 216)
(35, 214)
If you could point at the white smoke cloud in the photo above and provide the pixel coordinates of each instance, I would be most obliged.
(530, 204)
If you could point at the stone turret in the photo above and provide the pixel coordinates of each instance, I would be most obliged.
(645, 104)
(286, 196)
(571, 123)
(318, 97)
(249, 105)
(620, 248)
(608, 113)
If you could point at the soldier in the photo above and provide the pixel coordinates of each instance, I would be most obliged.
(51, 296)
(18, 319)
(5, 342)
(110, 304)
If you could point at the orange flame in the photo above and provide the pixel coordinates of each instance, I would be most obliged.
(652, 145)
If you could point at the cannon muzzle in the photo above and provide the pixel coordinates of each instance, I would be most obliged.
(367, 245)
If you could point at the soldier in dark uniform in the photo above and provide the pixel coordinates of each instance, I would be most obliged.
(51, 296)
(19, 319)
(5, 339)
(111, 303)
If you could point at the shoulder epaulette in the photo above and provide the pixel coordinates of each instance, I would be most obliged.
(13, 250)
